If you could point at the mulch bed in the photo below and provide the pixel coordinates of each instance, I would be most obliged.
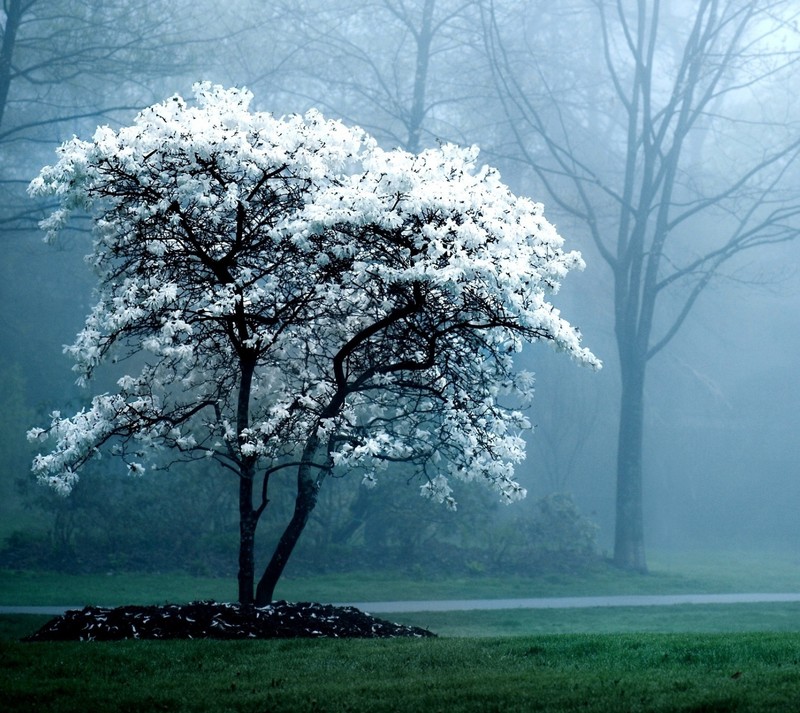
(212, 620)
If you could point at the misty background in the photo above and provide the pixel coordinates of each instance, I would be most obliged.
(721, 457)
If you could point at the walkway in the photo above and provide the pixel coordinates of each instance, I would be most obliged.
(632, 600)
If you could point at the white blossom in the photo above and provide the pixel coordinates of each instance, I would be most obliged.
(375, 300)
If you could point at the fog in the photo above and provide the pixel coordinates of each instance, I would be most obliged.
(720, 457)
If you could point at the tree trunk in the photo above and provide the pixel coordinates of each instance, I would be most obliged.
(247, 531)
(306, 500)
(248, 517)
(9, 41)
(629, 550)
(424, 37)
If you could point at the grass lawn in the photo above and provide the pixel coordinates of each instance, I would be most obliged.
(688, 618)
(653, 659)
(568, 672)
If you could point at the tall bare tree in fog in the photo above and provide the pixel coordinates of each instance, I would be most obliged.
(400, 69)
(667, 131)
(63, 62)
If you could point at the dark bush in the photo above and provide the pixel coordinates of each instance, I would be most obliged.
(186, 521)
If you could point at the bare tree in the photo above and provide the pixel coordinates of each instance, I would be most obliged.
(67, 64)
(402, 70)
(668, 134)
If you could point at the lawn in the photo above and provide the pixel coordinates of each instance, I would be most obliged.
(743, 657)
(571, 672)
(688, 618)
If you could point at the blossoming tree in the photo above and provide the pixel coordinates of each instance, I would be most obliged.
(295, 298)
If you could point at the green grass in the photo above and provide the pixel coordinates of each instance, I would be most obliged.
(577, 672)
(600, 659)
(689, 618)
(49, 588)
(14, 626)
(44, 588)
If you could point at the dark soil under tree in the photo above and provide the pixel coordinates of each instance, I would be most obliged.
(212, 620)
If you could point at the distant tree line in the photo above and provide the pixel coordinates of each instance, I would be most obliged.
(112, 524)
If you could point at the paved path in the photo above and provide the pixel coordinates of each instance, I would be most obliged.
(631, 600)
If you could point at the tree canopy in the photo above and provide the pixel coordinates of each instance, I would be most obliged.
(294, 297)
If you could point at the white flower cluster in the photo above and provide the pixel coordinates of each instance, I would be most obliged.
(79, 437)
(286, 282)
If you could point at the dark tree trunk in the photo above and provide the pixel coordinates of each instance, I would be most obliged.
(247, 531)
(306, 500)
(629, 552)
(14, 12)
(248, 516)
